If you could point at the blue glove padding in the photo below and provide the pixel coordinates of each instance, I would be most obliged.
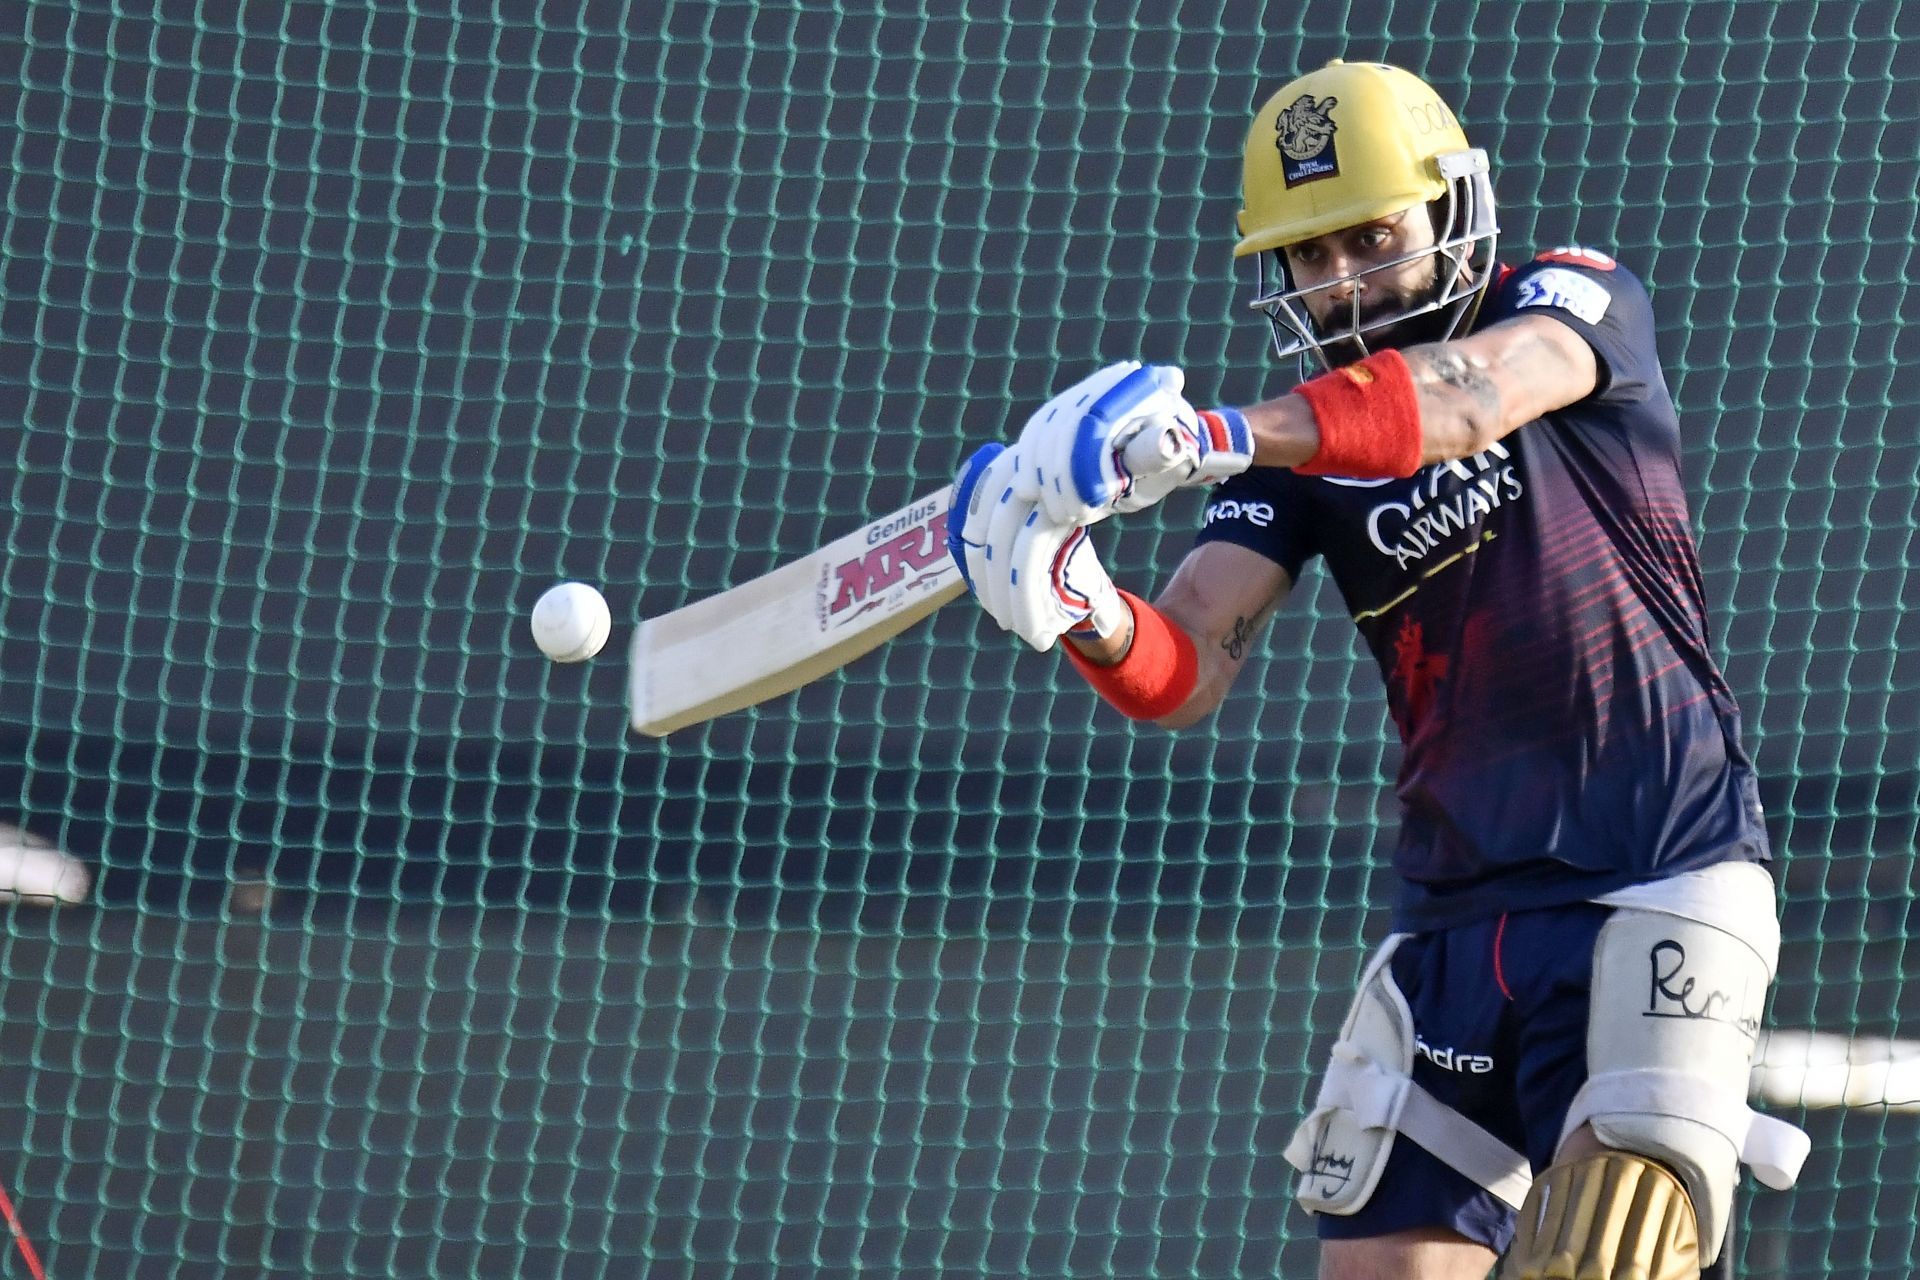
(1097, 481)
(965, 483)
(985, 518)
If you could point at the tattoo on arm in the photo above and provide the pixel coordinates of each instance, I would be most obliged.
(1235, 642)
(1451, 369)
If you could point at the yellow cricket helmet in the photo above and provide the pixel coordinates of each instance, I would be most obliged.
(1344, 145)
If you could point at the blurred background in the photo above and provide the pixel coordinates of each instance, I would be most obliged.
(334, 333)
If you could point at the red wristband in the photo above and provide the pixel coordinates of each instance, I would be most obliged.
(1369, 418)
(1159, 673)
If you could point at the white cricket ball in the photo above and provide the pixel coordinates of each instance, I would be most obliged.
(571, 622)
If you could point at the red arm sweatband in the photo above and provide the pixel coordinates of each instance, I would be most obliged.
(1369, 417)
(1160, 671)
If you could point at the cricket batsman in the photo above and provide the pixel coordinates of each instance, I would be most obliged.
(1546, 1062)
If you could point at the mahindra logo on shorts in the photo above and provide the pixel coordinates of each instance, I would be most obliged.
(1255, 513)
(1450, 1059)
(904, 552)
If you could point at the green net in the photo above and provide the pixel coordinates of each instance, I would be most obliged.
(335, 333)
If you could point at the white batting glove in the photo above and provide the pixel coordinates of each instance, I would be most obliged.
(1121, 440)
(1031, 576)
(981, 526)
(1205, 449)
(1060, 586)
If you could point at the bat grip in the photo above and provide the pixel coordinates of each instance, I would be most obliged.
(1150, 450)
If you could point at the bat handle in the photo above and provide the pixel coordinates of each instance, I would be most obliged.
(1150, 450)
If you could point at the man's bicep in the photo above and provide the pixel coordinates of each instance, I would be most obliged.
(1540, 364)
(1222, 597)
(1596, 301)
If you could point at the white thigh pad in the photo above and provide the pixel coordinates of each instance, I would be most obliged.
(1368, 1097)
(1674, 1016)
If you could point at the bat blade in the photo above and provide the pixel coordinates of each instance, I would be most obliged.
(795, 624)
(811, 616)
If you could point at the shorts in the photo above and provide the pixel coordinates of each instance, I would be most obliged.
(1500, 1015)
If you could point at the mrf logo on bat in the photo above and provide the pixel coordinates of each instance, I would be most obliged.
(905, 553)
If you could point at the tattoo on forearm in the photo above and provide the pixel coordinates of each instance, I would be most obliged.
(1236, 642)
(1451, 369)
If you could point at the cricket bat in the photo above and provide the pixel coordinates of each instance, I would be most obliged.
(807, 618)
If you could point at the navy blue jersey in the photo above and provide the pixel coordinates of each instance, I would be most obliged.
(1537, 613)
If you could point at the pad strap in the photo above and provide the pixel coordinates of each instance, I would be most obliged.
(1381, 1098)
(1772, 1148)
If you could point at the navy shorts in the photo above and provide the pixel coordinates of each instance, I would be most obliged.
(1500, 1011)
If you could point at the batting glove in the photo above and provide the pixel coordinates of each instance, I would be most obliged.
(1121, 440)
(1033, 577)
(983, 500)
(1060, 586)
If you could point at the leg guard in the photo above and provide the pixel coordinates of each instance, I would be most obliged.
(1368, 1096)
(1674, 1015)
(1607, 1216)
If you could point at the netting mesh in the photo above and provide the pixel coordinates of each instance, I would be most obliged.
(335, 336)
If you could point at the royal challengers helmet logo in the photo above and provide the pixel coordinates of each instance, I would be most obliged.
(1305, 137)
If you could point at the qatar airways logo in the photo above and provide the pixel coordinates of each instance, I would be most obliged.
(1450, 497)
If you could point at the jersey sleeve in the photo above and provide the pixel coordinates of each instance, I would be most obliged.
(1601, 301)
(1262, 510)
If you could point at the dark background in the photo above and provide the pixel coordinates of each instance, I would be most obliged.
(331, 337)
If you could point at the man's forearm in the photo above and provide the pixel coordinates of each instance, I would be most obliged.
(1284, 432)
(1107, 650)
(1466, 394)
(1457, 403)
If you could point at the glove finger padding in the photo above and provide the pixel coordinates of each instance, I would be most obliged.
(1060, 584)
(1006, 514)
(1048, 471)
(1086, 456)
(1038, 613)
(1068, 443)
(988, 494)
(1611, 1215)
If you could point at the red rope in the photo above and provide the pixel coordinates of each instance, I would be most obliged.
(34, 1268)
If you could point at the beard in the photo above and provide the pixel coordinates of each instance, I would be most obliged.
(1345, 346)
